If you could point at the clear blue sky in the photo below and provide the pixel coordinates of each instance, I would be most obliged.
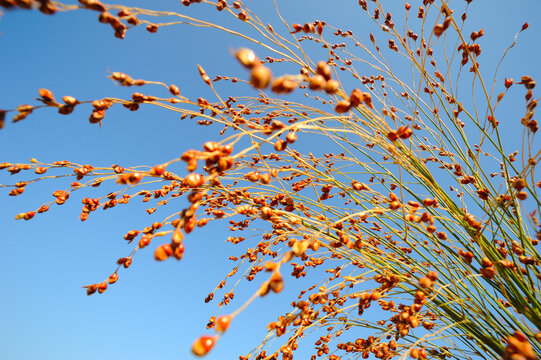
(155, 310)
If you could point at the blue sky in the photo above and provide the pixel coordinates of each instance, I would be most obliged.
(155, 310)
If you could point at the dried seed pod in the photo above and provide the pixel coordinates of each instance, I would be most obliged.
(276, 282)
(70, 100)
(522, 195)
(203, 75)
(331, 86)
(174, 90)
(113, 278)
(265, 178)
(158, 170)
(280, 145)
(102, 287)
(425, 282)
(367, 99)
(145, 240)
(291, 137)
(342, 106)
(392, 135)
(203, 345)
(152, 28)
(247, 58)
(47, 7)
(432, 275)
(46, 95)
(225, 163)
(163, 252)
(284, 85)
(260, 77)
(308, 28)
(178, 251)
(91, 289)
(92, 5)
(253, 176)
(222, 323)
(23, 4)
(317, 83)
(194, 180)
(394, 205)
(519, 184)
(243, 16)
(356, 97)
(528, 82)
(177, 238)
(324, 70)
(438, 30)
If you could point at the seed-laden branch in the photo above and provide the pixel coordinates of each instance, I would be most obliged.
(398, 214)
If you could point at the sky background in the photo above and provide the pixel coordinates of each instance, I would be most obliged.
(156, 310)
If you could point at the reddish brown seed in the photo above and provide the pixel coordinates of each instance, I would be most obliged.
(253, 176)
(203, 345)
(519, 184)
(211, 146)
(342, 106)
(163, 252)
(29, 215)
(331, 86)
(260, 77)
(432, 275)
(158, 170)
(284, 85)
(225, 163)
(265, 178)
(291, 137)
(356, 97)
(276, 283)
(113, 278)
(19, 216)
(425, 282)
(194, 180)
(392, 135)
(394, 205)
(308, 28)
(317, 82)
(204, 75)
(102, 287)
(280, 145)
(91, 289)
(227, 149)
(522, 195)
(177, 237)
(174, 90)
(145, 240)
(43, 209)
(222, 323)
(324, 70)
(152, 28)
(243, 16)
(46, 95)
(178, 251)
(247, 58)
(70, 100)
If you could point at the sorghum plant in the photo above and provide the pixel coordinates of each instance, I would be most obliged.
(412, 219)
